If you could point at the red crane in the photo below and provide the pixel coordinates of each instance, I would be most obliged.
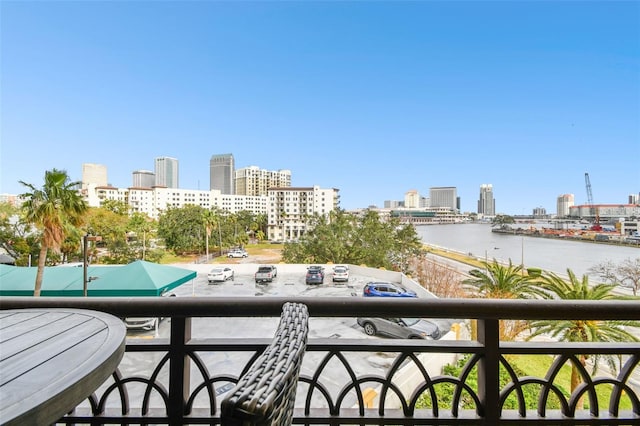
(593, 210)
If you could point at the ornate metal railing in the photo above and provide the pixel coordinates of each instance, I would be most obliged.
(181, 380)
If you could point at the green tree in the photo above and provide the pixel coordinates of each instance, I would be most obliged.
(142, 226)
(342, 237)
(581, 330)
(211, 219)
(499, 281)
(52, 209)
(182, 229)
(502, 221)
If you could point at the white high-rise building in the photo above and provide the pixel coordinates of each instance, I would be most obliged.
(486, 203)
(166, 171)
(444, 196)
(412, 199)
(564, 204)
(290, 209)
(95, 174)
(255, 181)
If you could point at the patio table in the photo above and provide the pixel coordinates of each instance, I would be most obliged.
(53, 359)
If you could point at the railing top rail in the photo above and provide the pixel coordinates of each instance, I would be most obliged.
(341, 307)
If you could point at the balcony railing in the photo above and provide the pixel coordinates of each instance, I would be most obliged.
(179, 380)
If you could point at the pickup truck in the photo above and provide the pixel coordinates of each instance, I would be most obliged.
(266, 273)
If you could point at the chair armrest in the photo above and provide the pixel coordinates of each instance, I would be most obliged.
(266, 393)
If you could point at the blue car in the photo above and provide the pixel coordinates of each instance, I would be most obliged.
(382, 289)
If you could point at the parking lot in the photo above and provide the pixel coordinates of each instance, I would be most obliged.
(290, 281)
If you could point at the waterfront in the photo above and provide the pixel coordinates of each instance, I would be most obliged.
(549, 254)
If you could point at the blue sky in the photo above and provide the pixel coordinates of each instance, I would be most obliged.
(373, 98)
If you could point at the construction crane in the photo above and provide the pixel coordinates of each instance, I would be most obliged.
(593, 210)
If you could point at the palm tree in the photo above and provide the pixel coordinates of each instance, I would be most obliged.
(581, 330)
(499, 281)
(210, 219)
(51, 208)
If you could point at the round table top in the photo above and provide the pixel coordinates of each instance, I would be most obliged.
(53, 359)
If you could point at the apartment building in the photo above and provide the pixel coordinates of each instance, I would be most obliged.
(290, 208)
(256, 181)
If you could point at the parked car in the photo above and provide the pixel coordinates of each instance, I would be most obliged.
(220, 274)
(400, 328)
(340, 273)
(314, 276)
(384, 289)
(237, 253)
(145, 323)
(265, 273)
(316, 268)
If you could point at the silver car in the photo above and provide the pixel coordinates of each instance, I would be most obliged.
(401, 328)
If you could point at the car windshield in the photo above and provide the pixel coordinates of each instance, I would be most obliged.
(216, 271)
(410, 321)
(340, 270)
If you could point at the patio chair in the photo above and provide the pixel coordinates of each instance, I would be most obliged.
(266, 393)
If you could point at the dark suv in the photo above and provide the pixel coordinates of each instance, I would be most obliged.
(383, 289)
(314, 276)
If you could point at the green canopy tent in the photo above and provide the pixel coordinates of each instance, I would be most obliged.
(138, 278)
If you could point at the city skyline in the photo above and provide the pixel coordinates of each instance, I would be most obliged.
(372, 98)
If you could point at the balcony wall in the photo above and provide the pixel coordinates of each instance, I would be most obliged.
(178, 381)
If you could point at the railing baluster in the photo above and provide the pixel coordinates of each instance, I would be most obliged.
(179, 371)
(488, 370)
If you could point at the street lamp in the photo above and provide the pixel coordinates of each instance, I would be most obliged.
(85, 247)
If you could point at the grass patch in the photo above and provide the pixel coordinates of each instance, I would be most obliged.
(523, 365)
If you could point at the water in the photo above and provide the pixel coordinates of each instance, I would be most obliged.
(548, 254)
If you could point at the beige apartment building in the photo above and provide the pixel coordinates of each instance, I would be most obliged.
(256, 181)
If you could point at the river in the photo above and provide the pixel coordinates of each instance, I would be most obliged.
(545, 253)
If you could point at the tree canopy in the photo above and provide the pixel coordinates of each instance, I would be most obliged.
(342, 237)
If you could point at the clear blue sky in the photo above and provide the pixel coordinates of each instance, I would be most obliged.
(372, 98)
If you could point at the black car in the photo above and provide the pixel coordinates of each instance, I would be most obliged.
(314, 276)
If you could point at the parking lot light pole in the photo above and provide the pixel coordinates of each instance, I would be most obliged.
(85, 264)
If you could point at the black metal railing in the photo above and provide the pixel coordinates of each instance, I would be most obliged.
(180, 380)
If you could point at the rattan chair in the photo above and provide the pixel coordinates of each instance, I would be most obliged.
(266, 393)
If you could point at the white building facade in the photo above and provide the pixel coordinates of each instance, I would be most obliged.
(289, 210)
(564, 204)
(166, 171)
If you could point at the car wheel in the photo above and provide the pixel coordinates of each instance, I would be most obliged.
(370, 329)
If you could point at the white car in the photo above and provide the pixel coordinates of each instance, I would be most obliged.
(237, 253)
(340, 273)
(145, 323)
(220, 274)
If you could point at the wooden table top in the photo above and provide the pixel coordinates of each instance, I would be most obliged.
(53, 359)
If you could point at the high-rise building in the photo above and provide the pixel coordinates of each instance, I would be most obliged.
(255, 181)
(634, 198)
(94, 174)
(166, 172)
(486, 203)
(444, 196)
(412, 199)
(222, 173)
(564, 203)
(143, 179)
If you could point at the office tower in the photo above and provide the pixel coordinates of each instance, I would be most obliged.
(143, 179)
(95, 174)
(634, 198)
(444, 197)
(166, 172)
(221, 173)
(255, 181)
(564, 203)
(486, 203)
